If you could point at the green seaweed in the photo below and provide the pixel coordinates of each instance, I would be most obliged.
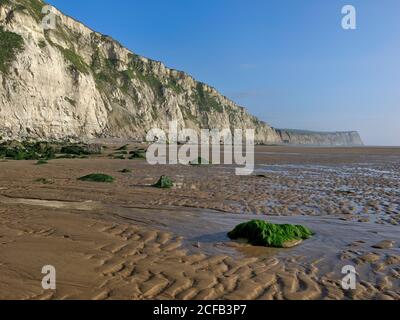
(97, 177)
(138, 154)
(74, 150)
(67, 156)
(123, 148)
(199, 161)
(27, 150)
(262, 233)
(44, 181)
(41, 162)
(164, 183)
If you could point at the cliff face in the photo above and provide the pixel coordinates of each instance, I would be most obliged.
(332, 139)
(75, 83)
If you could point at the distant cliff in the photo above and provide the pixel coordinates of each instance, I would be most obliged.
(333, 139)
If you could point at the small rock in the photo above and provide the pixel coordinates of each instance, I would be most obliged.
(370, 257)
(346, 256)
(378, 266)
(385, 244)
(357, 243)
(197, 245)
(261, 175)
(291, 243)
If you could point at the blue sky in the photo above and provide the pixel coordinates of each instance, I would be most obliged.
(289, 62)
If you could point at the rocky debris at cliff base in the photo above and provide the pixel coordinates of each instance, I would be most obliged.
(28, 150)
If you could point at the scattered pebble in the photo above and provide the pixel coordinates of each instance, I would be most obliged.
(197, 245)
(393, 259)
(370, 257)
(385, 244)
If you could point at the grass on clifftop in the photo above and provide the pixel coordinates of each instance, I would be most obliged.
(261, 233)
(10, 45)
(97, 177)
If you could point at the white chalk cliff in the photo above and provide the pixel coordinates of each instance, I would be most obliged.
(73, 82)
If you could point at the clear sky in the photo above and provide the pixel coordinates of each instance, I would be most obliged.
(289, 62)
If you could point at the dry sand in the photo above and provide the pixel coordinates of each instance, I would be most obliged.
(127, 240)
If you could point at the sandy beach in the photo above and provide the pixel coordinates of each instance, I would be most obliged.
(128, 240)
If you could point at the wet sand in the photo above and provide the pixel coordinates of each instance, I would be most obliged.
(127, 240)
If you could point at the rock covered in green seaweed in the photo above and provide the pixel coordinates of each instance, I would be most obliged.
(138, 154)
(262, 233)
(97, 177)
(164, 183)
